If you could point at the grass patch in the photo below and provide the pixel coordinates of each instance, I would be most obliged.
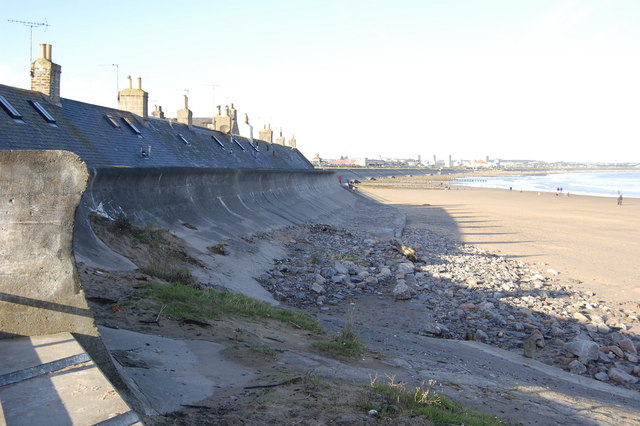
(184, 301)
(177, 275)
(264, 350)
(346, 344)
(394, 399)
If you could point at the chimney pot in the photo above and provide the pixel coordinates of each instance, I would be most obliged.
(43, 51)
(139, 82)
(49, 57)
(130, 82)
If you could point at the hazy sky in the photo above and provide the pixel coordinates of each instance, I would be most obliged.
(534, 79)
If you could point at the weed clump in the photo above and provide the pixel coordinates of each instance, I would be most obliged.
(220, 248)
(395, 399)
(347, 343)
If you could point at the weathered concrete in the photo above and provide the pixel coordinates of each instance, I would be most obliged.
(39, 288)
(51, 380)
(204, 206)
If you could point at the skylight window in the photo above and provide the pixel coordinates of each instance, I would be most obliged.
(183, 139)
(111, 119)
(6, 105)
(132, 126)
(217, 141)
(254, 146)
(43, 112)
(237, 143)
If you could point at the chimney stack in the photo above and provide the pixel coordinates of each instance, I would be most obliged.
(266, 134)
(292, 142)
(134, 100)
(157, 112)
(280, 139)
(184, 115)
(45, 75)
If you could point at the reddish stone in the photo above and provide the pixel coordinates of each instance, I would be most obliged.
(627, 345)
(468, 306)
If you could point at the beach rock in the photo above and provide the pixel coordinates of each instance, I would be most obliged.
(468, 306)
(406, 268)
(341, 268)
(583, 349)
(318, 278)
(581, 318)
(602, 376)
(576, 367)
(402, 291)
(436, 330)
(617, 351)
(627, 345)
(618, 375)
(317, 288)
(481, 336)
(531, 345)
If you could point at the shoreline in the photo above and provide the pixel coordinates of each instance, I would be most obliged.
(586, 238)
(459, 180)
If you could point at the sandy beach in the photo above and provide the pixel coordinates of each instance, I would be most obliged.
(590, 239)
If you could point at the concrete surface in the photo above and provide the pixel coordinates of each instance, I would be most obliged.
(39, 288)
(203, 206)
(51, 380)
(166, 373)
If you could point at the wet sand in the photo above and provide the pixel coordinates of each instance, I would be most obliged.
(590, 239)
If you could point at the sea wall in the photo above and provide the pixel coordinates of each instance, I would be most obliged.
(39, 289)
(203, 206)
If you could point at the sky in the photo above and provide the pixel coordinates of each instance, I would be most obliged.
(551, 80)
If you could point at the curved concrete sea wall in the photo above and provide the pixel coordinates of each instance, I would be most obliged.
(39, 289)
(204, 206)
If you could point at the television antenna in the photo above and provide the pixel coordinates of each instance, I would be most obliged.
(31, 25)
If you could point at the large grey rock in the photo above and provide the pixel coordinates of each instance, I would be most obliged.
(584, 349)
(627, 345)
(618, 375)
(576, 367)
(406, 268)
(402, 291)
(341, 268)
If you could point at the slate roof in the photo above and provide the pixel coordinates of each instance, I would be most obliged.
(86, 130)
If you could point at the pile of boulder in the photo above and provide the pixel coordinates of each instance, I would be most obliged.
(474, 295)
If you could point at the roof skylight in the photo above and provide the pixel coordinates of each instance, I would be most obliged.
(111, 119)
(217, 141)
(6, 105)
(132, 126)
(43, 112)
(183, 139)
(237, 143)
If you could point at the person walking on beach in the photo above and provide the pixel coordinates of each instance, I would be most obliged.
(620, 200)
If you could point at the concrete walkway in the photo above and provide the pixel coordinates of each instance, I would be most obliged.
(50, 380)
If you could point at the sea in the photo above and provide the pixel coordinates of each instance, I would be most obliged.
(599, 184)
